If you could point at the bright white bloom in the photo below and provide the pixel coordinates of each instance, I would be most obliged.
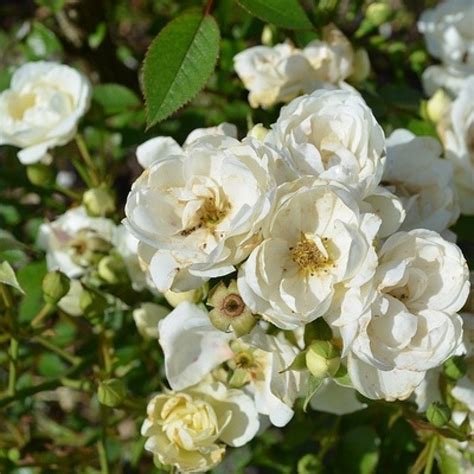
(422, 180)
(199, 212)
(333, 135)
(273, 75)
(332, 57)
(147, 316)
(448, 32)
(317, 248)
(450, 78)
(74, 241)
(412, 325)
(189, 430)
(193, 347)
(155, 148)
(42, 108)
(457, 134)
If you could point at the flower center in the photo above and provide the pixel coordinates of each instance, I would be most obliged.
(210, 213)
(309, 256)
(20, 104)
(233, 305)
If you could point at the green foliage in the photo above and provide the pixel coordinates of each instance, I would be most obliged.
(284, 13)
(178, 63)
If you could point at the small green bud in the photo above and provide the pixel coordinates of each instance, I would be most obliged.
(55, 285)
(437, 106)
(111, 393)
(192, 296)
(438, 414)
(92, 304)
(112, 269)
(378, 13)
(455, 367)
(322, 359)
(99, 202)
(267, 35)
(41, 175)
(14, 455)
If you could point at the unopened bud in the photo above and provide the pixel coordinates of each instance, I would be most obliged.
(455, 367)
(112, 269)
(309, 464)
(267, 35)
(361, 66)
(437, 106)
(230, 311)
(41, 175)
(438, 414)
(111, 392)
(322, 359)
(99, 202)
(92, 304)
(191, 296)
(378, 13)
(258, 131)
(147, 317)
(55, 285)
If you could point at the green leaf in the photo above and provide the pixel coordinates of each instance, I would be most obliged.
(31, 278)
(178, 64)
(8, 277)
(284, 13)
(115, 98)
(313, 386)
(53, 5)
(448, 464)
(360, 450)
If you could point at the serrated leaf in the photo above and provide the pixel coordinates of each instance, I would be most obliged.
(314, 384)
(284, 13)
(178, 64)
(8, 277)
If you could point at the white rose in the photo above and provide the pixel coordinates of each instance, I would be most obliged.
(74, 240)
(317, 247)
(332, 57)
(147, 316)
(422, 180)
(449, 78)
(193, 347)
(42, 108)
(457, 134)
(189, 430)
(153, 149)
(448, 32)
(273, 75)
(198, 213)
(333, 135)
(412, 325)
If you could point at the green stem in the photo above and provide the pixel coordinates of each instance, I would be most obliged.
(12, 372)
(67, 192)
(7, 296)
(431, 455)
(44, 311)
(84, 152)
(82, 172)
(101, 446)
(57, 350)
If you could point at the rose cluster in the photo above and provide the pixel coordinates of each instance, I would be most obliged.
(309, 263)
(323, 263)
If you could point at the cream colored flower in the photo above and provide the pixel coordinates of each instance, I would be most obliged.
(448, 32)
(193, 347)
(332, 135)
(332, 57)
(317, 249)
(189, 430)
(422, 180)
(412, 325)
(457, 135)
(200, 212)
(42, 107)
(273, 75)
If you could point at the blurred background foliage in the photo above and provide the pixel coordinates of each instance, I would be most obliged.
(55, 421)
